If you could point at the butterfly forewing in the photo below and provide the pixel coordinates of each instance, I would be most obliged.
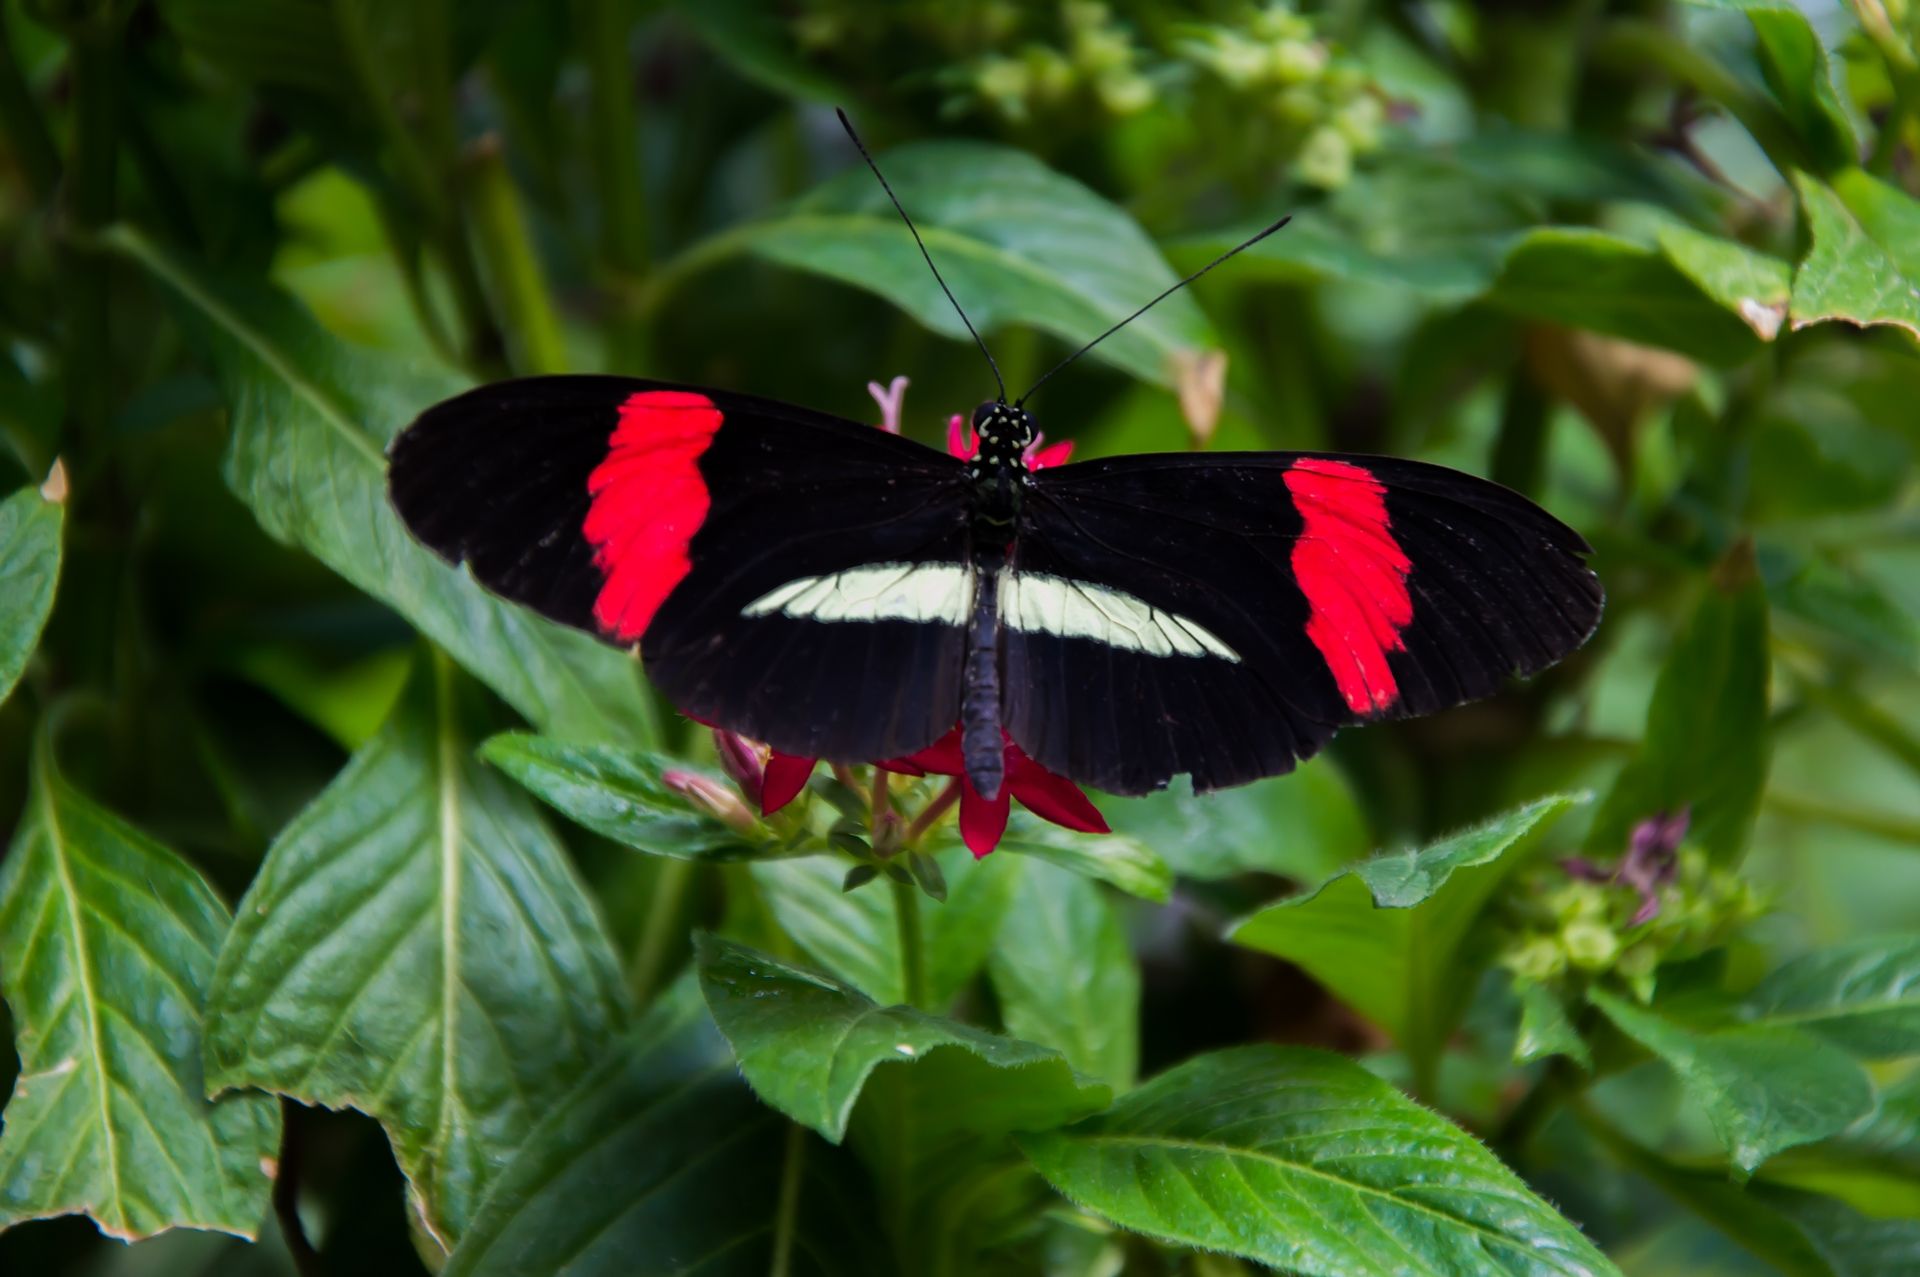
(1336, 588)
(720, 533)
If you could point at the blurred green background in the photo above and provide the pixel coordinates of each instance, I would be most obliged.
(1653, 263)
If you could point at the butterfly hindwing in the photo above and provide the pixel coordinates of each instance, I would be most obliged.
(1333, 588)
(674, 518)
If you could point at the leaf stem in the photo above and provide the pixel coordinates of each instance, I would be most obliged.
(286, 1191)
(657, 933)
(534, 343)
(788, 1211)
(913, 968)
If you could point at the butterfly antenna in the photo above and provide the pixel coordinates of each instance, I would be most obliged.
(1238, 248)
(847, 124)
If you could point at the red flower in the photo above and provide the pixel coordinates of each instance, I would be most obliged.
(982, 821)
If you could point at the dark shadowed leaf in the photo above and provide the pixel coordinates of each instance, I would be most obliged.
(757, 43)
(616, 792)
(660, 1161)
(1591, 279)
(1864, 267)
(310, 420)
(1863, 996)
(1305, 1161)
(1305, 826)
(107, 941)
(1706, 745)
(29, 569)
(1065, 976)
(1763, 1088)
(417, 947)
(855, 935)
(1387, 935)
(1019, 244)
(807, 1045)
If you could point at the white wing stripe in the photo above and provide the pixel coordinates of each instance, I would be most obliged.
(1039, 603)
(940, 592)
(1030, 601)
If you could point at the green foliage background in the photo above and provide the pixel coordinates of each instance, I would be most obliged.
(298, 812)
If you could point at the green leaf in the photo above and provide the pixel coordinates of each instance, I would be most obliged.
(1864, 267)
(1591, 279)
(1305, 1161)
(1751, 284)
(616, 792)
(1706, 744)
(1115, 859)
(856, 935)
(1546, 1029)
(1019, 244)
(310, 418)
(1065, 977)
(659, 1161)
(416, 946)
(807, 1045)
(1851, 1244)
(1863, 996)
(106, 942)
(30, 528)
(1797, 70)
(1388, 936)
(1763, 1088)
(1306, 826)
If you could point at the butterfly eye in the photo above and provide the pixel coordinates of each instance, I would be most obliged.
(983, 412)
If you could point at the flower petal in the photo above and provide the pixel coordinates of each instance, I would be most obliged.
(1054, 454)
(942, 758)
(960, 440)
(786, 776)
(1050, 797)
(982, 820)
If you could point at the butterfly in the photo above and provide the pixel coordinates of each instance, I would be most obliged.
(841, 592)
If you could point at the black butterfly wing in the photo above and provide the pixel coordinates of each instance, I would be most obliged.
(1225, 614)
(673, 518)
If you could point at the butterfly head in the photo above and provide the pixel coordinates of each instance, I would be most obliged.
(1004, 432)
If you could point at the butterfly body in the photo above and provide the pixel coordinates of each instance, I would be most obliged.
(845, 593)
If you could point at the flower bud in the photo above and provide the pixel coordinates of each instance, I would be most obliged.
(741, 762)
(1296, 61)
(711, 796)
(1326, 160)
(1591, 946)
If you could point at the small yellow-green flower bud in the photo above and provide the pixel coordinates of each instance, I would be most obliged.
(1359, 122)
(1124, 93)
(1591, 946)
(1538, 959)
(1298, 106)
(1296, 61)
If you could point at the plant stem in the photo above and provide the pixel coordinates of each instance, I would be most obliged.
(1879, 824)
(286, 1191)
(788, 1211)
(658, 932)
(534, 343)
(906, 913)
(89, 206)
(1635, 42)
(22, 123)
(1520, 451)
(934, 810)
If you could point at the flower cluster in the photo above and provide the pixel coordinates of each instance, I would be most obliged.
(1661, 902)
(1100, 65)
(767, 780)
(1321, 105)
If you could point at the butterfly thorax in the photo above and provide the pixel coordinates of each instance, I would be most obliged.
(997, 471)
